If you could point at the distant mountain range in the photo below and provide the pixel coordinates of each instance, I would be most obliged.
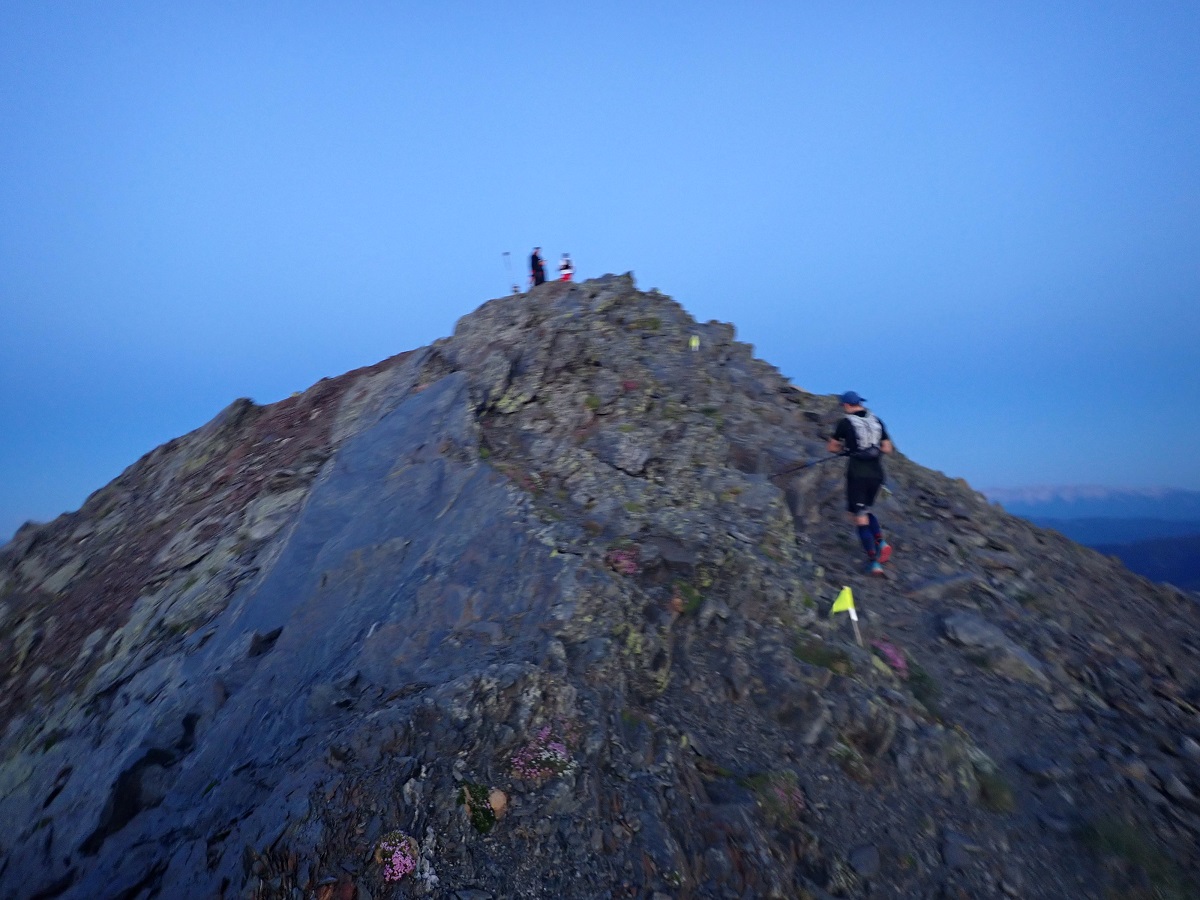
(1089, 502)
(1153, 531)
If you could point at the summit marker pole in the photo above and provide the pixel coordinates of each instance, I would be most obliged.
(508, 272)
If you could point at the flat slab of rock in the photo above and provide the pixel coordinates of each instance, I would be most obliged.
(996, 559)
(957, 849)
(865, 860)
(970, 630)
(1042, 768)
(1005, 655)
(941, 588)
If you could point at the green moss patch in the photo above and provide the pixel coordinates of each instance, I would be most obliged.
(996, 793)
(479, 810)
(818, 653)
(1132, 845)
(691, 597)
(923, 687)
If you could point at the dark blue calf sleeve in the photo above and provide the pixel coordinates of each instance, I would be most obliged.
(873, 524)
(868, 539)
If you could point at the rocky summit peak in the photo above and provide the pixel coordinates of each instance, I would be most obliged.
(529, 613)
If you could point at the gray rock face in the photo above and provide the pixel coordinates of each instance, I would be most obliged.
(957, 849)
(865, 860)
(972, 631)
(400, 552)
(529, 611)
(1006, 656)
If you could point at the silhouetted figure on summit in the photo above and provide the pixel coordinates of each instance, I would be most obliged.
(566, 268)
(864, 439)
(537, 267)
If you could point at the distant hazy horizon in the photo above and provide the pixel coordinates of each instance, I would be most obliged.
(1036, 492)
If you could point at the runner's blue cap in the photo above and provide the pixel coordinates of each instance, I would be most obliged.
(851, 398)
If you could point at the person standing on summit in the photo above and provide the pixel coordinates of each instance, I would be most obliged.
(537, 267)
(864, 439)
(566, 268)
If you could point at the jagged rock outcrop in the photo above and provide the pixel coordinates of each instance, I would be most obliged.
(525, 614)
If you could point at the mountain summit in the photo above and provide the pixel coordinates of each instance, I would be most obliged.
(527, 613)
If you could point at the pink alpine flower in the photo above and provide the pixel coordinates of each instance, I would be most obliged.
(398, 854)
(623, 560)
(893, 656)
(543, 757)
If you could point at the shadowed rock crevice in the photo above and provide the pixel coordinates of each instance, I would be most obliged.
(141, 786)
(261, 644)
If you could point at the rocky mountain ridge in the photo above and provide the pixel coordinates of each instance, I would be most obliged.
(526, 614)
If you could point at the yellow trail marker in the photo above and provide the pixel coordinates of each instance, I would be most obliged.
(694, 342)
(845, 603)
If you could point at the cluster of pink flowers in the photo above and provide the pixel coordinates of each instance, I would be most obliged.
(398, 852)
(893, 656)
(788, 795)
(623, 560)
(541, 758)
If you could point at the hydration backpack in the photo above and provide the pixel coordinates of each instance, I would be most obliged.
(868, 435)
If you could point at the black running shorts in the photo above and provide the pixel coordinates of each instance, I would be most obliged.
(860, 493)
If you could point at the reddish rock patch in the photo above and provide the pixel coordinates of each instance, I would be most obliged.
(202, 479)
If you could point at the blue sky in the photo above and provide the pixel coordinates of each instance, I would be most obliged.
(983, 217)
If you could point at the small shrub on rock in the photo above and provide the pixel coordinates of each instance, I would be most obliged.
(995, 792)
(923, 686)
(818, 653)
(851, 762)
(691, 597)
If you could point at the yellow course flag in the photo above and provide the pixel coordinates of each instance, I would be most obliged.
(843, 603)
(694, 342)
